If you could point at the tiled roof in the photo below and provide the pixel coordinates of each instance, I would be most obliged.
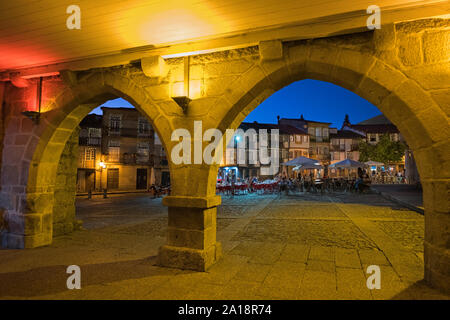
(91, 121)
(284, 128)
(257, 126)
(375, 128)
(305, 120)
(345, 134)
(288, 129)
(380, 119)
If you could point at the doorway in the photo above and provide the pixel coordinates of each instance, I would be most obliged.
(113, 179)
(141, 179)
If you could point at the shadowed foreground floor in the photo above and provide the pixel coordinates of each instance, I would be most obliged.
(288, 247)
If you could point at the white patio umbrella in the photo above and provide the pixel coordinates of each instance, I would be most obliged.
(299, 161)
(311, 166)
(347, 163)
(374, 163)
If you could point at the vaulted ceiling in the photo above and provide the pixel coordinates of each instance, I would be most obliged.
(34, 32)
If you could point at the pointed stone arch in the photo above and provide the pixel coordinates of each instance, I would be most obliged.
(357, 64)
(30, 216)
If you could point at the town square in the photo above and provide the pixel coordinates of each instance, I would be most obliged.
(225, 150)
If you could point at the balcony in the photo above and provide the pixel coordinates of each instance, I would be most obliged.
(132, 158)
(320, 157)
(129, 132)
(89, 141)
(86, 164)
(341, 148)
(319, 139)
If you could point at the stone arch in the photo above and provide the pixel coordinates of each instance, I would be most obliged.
(364, 71)
(29, 219)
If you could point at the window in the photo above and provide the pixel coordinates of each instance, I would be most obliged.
(114, 154)
(143, 150)
(325, 132)
(115, 123)
(114, 143)
(95, 132)
(298, 138)
(318, 132)
(292, 138)
(89, 154)
(372, 138)
(305, 139)
(394, 137)
(143, 126)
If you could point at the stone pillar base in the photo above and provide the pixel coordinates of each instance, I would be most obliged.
(191, 233)
(19, 241)
(190, 259)
(437, 268)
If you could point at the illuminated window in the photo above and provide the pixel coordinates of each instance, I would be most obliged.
(89, 154)
(114, 143)
(114, 154)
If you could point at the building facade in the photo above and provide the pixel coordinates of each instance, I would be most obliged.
(119, 150)
(315, 140)
(344, 144)
(372, 130)
(318, 137)
(90, 153)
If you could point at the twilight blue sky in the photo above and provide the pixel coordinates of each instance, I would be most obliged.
(316, 100)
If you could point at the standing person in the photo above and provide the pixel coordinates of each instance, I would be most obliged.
(359, 180)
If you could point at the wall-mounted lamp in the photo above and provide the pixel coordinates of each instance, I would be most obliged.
(184, 100)
(35, 115)
(102, 165)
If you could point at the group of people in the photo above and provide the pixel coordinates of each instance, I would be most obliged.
(159, 190)
(363, 181)
(387, 177)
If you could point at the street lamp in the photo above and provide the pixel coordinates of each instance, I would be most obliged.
(102, 166)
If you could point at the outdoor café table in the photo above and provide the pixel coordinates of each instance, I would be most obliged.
(318, 184)
(241, 187)
(223, 188)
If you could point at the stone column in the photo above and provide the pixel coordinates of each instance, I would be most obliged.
(191, 236)
(437, 234)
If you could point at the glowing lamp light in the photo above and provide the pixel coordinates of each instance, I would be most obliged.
(34, 115)
(102, 165)
(183, 92)
(237, 138)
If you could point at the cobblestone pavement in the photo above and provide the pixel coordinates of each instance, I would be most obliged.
(299, 246)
